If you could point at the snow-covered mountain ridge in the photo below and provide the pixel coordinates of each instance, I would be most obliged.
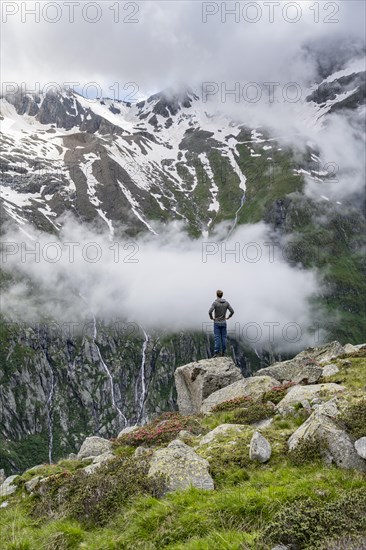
(172, 156)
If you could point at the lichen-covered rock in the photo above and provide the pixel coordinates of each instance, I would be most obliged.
(260, 449)
(322, 354)
(94, 446)
(7, 487)
(298, 394)
(360, 446)
(182, 467)
(292, 371)
(336, 445)
(196, 381)
(329, 370)
(253, 387)
(223, 429)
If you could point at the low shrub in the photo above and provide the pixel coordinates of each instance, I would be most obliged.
(91, 499)
(253, 412)
(354, 418)
(277, 393)
(163, 429)
(229, 458)
(309, 523)
(308, 450)
(232, 404)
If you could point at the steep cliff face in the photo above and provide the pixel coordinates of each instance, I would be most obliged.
(55, 388)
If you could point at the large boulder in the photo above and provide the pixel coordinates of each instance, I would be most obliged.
(322, 354)
(94, 446)
(294, 371)
(7, 487)
(253, 387)
(196, 381)
(300, 394)
(182, 467)
(260, 449)
(222, 430)
(335, 444)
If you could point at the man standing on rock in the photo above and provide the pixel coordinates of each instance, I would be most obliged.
(220, 307)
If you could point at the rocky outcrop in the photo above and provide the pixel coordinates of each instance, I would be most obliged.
(182, 467)
(293, 371)
(300, 394)
(94, 446)
(260, 449)
(322, 354)
(196, 381)
(335, 444)
(253, 387)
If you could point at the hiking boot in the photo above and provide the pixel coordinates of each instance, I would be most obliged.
(216, 355)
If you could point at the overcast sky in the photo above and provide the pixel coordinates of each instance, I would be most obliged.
(155, 44)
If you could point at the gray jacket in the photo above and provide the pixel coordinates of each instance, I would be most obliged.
(220, 306)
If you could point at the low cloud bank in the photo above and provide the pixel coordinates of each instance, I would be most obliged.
(165, 283)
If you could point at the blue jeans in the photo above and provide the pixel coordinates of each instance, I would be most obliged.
(220, 336)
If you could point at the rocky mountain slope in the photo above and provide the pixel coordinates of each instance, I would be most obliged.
(172, 156)
(276, 460)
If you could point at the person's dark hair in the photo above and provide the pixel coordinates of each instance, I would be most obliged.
(219, 293)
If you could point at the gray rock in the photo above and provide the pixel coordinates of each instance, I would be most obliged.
(7, 487)
(128, 430)
(360, 446)
(2, 477)
(94, 446)
(338, 447)
(329, 370)
(223, 429)
(297, 394)
(253, 387)
(260, 449)
(322, 354)
(98, 461)
(196, 381)
(350, 348)
(72, 456)
(182, 466)
(293, 371)
(31, 484)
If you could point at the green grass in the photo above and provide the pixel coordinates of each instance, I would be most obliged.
(248, 497)
(228, 517)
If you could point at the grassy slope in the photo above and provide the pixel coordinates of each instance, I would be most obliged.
(252, 507)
